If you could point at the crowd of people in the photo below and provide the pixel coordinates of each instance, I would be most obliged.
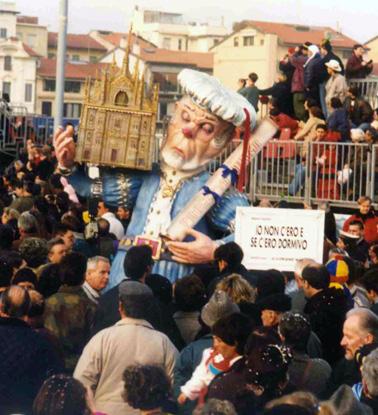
(223, 340)
(311, 102)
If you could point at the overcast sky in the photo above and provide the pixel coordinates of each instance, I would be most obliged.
(356, 19)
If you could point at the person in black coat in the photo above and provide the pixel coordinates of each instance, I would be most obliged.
(137, 265)
(281, 92)
(27, 358)
(228, 259)
(326, 309)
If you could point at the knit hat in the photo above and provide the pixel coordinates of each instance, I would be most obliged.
(220, 305)
(275, 302)
(338, 270)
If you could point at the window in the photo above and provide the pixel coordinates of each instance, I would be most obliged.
(346, 54)
(163, 110)
(7, 88)
(75, 58)
(248, 40)
(113, 155)
(93, 59)
(72, 86)
(179, 44)
(215, 42)
(71, 110)
(28, 92)
(20, 35)
(49, 85)
(51, 55)
(167, 81)
(261, 42)
(46, 108)
(166, 43)
(7, 63)
(31, 41)
(3, 33)
(236, 42)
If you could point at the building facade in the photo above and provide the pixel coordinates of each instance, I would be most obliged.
(75, 77)
(80, 48)
(170, 31)
(18, 63)
(34, 35)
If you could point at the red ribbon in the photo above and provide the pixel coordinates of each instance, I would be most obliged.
(247, 134)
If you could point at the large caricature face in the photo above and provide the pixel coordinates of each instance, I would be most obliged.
(195, 137)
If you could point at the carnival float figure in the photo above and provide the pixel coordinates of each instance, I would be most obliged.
(178, 207)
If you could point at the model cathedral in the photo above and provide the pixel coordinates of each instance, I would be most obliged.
(117, 125)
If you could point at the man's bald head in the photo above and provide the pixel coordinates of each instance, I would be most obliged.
(15, 302)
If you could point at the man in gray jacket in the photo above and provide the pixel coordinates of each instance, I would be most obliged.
(131, 341)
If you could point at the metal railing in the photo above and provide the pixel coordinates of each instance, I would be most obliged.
(315, 172)
(17, 126)
(368, 88)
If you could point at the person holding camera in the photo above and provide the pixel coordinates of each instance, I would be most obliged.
(356, 67)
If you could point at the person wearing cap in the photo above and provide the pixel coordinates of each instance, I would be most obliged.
(356, 67)
(272, 307)
(218, 307)
(202, 125)
(336, 85)
(327, 54)
(132, 340)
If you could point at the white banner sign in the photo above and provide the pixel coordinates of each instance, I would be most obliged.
(276, 238)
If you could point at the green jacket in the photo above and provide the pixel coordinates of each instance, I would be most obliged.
(251, 93)
(69, 315)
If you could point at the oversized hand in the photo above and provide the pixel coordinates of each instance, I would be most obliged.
(199, 251)
(64, 146)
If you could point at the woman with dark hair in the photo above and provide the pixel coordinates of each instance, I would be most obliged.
(229, 338)
(233, 385)
(338, 120)
(147, 388)
(61, 395)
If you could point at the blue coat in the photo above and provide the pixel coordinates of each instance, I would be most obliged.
(142, 188)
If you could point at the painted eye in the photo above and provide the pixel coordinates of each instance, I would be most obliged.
(185, 116)
(208, 128)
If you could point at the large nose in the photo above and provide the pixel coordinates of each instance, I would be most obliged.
(190, 130)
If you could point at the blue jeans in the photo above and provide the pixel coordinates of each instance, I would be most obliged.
(322, 94)
(363, 126)
(298, 180)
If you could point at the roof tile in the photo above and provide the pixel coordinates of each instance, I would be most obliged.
(294, 34)
(75, 41)
(47, 69)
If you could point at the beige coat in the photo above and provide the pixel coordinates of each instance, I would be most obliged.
(337, 87)
(110, 351)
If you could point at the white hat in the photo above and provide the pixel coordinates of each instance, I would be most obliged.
(334, 65)
(206, 91)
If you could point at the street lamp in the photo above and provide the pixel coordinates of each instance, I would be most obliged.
(60, 62)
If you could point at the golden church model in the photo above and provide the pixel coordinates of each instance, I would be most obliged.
(118, 120)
